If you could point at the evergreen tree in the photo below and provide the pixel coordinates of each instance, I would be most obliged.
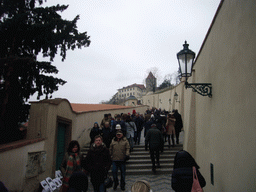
(26, 31)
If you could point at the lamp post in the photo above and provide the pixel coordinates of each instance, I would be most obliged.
(176, 97)
(186, 60)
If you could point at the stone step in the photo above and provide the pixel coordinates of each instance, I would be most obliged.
(148, 165)
(147, 156)
(159, 171)
(148, 160)
(140, 162)
(134, 153)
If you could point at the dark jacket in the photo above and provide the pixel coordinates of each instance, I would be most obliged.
(94, 131)
(97, 163)
(178, 123)
(182, 179)
(139, 123)
(182, 176)
(154, 138)
(147, 126)
(107, 136)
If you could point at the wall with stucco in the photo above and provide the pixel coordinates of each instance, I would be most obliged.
(13, 166)
(86, 120)
(221, 130)
(225, 123)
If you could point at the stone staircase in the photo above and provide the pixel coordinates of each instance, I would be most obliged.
(140, 162)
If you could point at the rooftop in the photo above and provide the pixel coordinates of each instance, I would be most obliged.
(77, 107)
(141, 86)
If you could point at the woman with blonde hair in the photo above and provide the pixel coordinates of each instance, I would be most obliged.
(141, 186)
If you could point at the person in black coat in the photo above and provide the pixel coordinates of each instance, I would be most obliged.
(182, 176)
(107, 134)
(97, 163)
(94, 131)
(178, 124)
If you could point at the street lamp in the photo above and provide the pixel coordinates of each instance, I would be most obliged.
(186, 59)
(176, 97)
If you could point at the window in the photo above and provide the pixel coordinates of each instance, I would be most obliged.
(127, 94)
(133, 93)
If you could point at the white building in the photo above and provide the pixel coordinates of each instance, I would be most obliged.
(136, 90)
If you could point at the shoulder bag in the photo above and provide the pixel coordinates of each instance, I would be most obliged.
(196, 185)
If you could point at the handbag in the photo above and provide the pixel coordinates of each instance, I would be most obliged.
(108, 182)
(196, 185)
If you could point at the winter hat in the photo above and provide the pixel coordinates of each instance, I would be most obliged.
(118, 127)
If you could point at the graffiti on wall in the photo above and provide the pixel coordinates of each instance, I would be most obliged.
(36, 164)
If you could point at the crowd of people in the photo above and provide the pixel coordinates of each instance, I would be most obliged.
(113, 140)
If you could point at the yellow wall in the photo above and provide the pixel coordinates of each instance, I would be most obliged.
(225, 124)
(221, 130)
(13, 168)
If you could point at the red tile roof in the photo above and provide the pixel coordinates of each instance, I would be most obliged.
(77, 107)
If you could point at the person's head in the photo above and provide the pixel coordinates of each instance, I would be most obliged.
(105, 116)
(184, 159)
(109, 116)
(106, 124)
(96, 124)
(119, 134)
(170, 115)
(128, 118)
(118, 117)
(98, 140)
(73, 147)
(141, 186)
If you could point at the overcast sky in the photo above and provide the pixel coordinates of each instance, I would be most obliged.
(128, 37)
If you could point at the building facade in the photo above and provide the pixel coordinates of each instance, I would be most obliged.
(136, 90)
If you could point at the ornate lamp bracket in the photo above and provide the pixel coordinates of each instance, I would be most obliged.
(204, 89)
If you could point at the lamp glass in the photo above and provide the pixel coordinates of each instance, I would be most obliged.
(185, 59)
